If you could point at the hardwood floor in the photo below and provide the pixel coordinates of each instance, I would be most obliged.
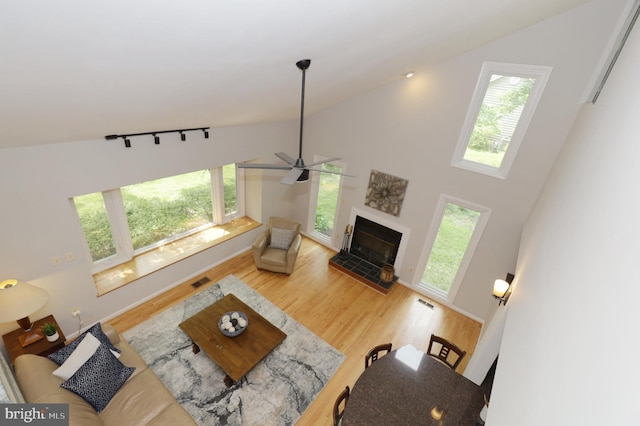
(344, 312)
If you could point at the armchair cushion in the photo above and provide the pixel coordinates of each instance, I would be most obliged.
(281, 238)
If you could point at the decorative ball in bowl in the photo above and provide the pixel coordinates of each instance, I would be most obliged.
(233, 323)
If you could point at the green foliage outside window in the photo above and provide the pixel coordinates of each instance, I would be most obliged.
(490, 134)
(156, 210)
(327, 200)
(454, 235)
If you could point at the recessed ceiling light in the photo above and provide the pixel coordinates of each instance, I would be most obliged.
(409, 74)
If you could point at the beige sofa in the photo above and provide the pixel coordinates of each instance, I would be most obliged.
(142, 400)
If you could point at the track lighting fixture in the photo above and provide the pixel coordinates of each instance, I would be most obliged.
(156, 138)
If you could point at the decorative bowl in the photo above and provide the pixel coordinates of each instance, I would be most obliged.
(233, 323)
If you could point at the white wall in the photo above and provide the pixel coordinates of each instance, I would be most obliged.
(38, 223)
(568, 355)
(410, 129)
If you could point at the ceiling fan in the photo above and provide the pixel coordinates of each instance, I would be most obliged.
(298, 170)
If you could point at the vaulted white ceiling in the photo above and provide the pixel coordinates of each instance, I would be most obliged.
(75, 70)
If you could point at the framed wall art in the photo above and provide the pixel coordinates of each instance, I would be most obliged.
(385, 192)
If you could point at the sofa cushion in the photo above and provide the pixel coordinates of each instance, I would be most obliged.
(281, 238)
(146, 401)
(98, 380)
(61, 355)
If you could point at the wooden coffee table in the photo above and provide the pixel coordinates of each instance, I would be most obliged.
(235, 355)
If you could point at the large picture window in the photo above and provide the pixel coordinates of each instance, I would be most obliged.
(121, 223)
(502, 106)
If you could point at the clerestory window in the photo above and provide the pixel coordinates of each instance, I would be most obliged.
(501, 109)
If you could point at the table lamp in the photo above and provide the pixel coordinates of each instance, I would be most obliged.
(18, 300)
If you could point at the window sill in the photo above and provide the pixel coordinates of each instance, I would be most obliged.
(154, 260)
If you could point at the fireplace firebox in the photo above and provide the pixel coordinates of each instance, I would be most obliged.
(374, 243)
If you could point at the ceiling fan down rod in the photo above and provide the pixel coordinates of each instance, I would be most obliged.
(303, 65)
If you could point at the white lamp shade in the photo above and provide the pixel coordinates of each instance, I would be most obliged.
(500, 287)
(19, 299)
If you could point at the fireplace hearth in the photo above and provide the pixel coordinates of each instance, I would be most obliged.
(363, 271)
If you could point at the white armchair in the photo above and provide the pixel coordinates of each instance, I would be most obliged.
(276, 249)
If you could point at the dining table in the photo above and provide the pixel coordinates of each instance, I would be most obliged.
(408, 387)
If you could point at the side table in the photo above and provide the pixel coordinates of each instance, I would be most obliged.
(42, 347)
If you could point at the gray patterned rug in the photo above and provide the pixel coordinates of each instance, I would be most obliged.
(275, 392)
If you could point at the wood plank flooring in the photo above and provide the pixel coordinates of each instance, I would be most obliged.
(344, 312)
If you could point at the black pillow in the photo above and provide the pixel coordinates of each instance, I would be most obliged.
(61, 355)
(99, 379)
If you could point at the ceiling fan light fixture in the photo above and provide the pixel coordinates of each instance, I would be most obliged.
(304, 176)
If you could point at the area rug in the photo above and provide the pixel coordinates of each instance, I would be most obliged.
(275, 392)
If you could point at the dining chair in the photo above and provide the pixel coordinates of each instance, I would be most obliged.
(374, 353)
(445, 351)
(340, 405)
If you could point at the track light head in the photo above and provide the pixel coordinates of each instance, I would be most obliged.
(206, 133)
(156, 139)
(127, 142)
(183, 137)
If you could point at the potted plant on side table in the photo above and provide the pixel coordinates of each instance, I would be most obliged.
(50, 331)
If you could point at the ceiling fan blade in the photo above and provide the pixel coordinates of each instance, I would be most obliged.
(330, 171)
(263, 166)
(284, 157)
(328, 160)
(292, 177)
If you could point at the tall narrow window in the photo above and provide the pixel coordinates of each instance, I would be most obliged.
(230, 189)
(326, 193)
(451, 245)
(503, 104)
(95, 226)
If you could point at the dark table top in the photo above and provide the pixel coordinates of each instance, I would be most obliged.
(408, 387)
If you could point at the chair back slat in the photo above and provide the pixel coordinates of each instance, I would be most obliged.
(374, 353)
(444, 353)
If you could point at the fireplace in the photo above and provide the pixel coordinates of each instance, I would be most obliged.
(374, 242)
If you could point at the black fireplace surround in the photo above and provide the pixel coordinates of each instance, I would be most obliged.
(374, 243)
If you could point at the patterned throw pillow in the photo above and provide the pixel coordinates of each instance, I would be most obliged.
(99, 379)
(83, 352)
(61, 355)
(281, 238)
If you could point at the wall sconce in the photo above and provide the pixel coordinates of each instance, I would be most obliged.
(502, 289)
